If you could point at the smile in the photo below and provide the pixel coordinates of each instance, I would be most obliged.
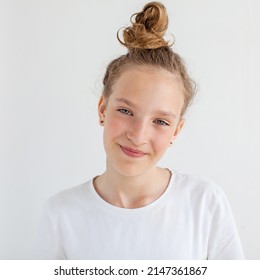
(132, 153)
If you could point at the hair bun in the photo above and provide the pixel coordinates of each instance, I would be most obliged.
(148, 28)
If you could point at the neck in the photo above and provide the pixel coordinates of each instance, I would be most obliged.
(132, 191)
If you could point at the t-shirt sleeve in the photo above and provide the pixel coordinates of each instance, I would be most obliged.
(224, 242)
(48, 242)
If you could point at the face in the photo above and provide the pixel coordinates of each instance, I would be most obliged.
(140, 118)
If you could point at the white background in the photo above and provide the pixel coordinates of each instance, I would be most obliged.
(53, 55)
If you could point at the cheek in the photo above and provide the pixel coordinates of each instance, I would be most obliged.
(114, 126)
(162, 143)
(161, 140)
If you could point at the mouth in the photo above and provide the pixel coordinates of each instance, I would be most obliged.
(132, 153)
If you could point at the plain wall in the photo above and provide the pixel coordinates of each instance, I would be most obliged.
(53, 56)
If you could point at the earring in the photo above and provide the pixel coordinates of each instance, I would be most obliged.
(171, 143)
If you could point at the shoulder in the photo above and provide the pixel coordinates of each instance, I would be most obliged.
(201, 196)
(199, 189)
(196, 182)
(69, 199)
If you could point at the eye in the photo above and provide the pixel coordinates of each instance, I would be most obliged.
(161, 122)
(125, 111)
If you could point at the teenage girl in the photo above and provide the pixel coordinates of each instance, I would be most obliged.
(136, 209)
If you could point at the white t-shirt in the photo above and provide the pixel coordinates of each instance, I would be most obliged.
(190, 220)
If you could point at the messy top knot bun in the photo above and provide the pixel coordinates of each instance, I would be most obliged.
(148, 28)
(147, 47)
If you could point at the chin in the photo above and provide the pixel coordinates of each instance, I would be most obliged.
(131, 170)
(128, 166)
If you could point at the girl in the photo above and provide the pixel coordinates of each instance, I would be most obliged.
(135, 209)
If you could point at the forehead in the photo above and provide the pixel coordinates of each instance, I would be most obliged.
(149, 87)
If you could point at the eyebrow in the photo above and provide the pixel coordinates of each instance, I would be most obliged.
(131, 104)
(126, 101)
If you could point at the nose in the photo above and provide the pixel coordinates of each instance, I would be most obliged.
(137, 132)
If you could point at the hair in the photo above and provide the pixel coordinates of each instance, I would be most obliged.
(146, 46)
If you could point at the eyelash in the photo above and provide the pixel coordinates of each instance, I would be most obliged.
(162, 123)
(127, 112)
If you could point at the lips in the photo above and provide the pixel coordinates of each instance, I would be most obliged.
(132, 152)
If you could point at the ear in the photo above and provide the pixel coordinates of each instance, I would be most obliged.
(101, 110)
(178, 129)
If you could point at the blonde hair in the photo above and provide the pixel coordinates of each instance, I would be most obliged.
(146, 45)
